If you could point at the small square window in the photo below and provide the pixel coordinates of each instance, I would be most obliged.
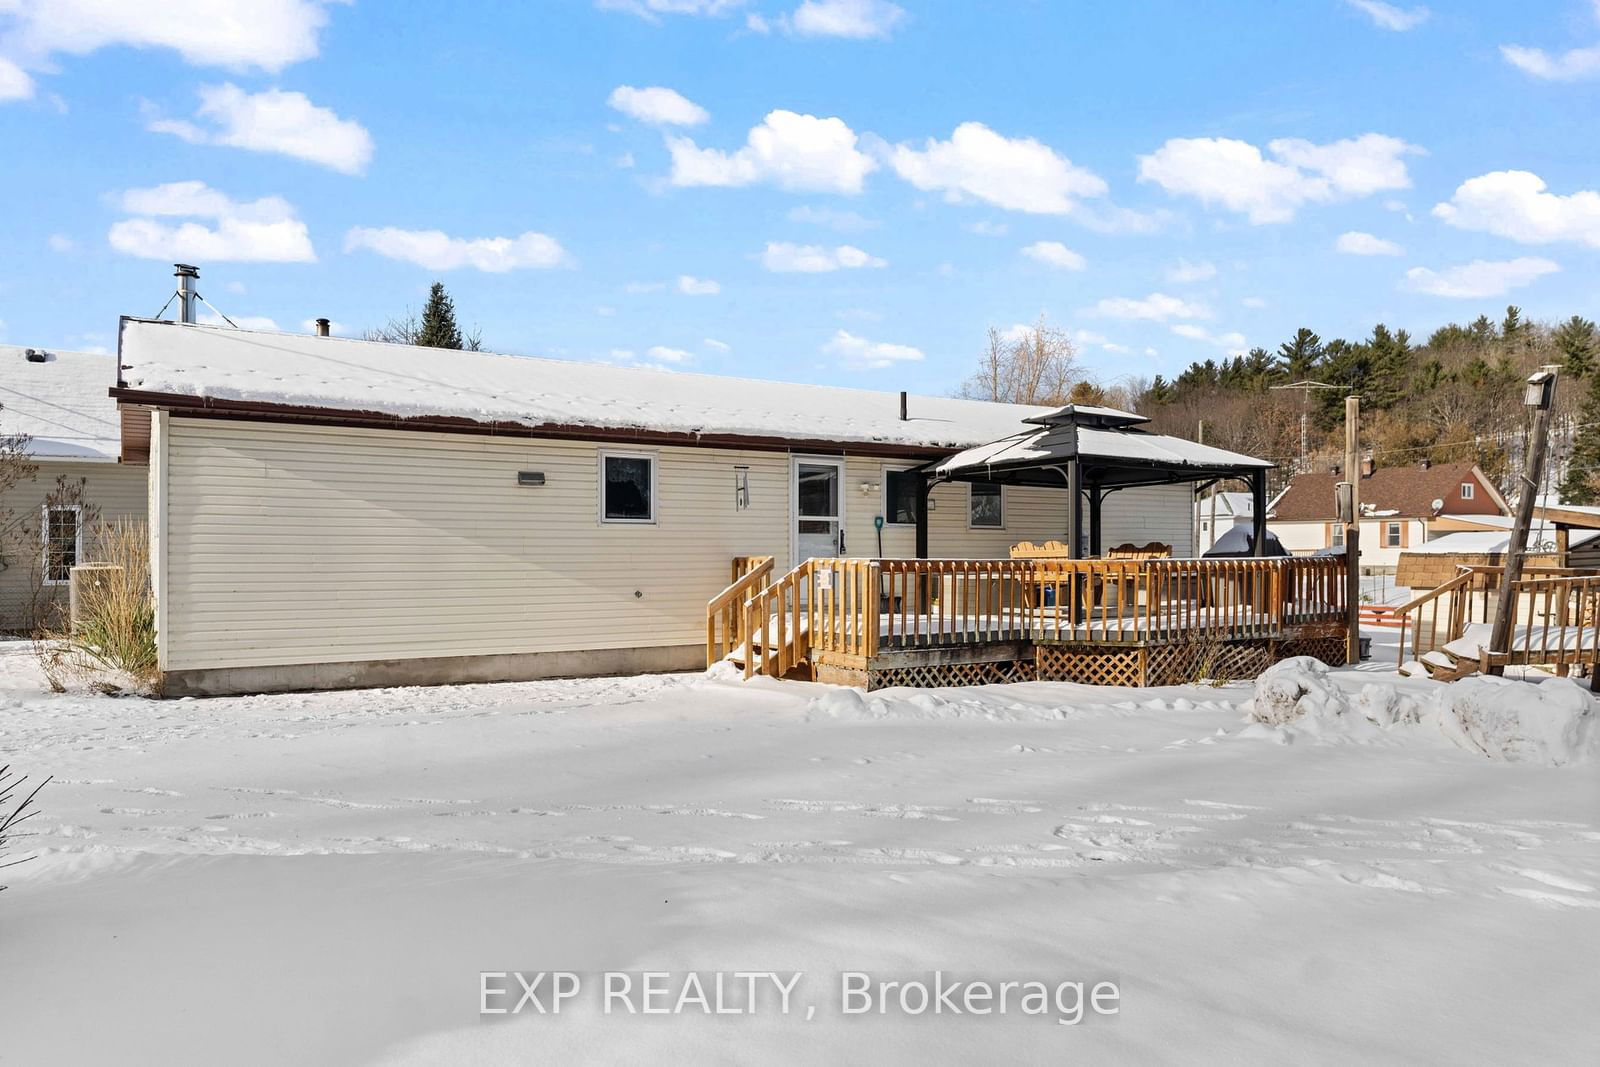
(62, 537)
(899, 498)
(987, 506)
(627, 487)
(1468, 490)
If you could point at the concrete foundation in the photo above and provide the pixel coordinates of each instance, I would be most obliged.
(443, 670)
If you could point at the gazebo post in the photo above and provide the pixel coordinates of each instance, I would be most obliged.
(1258, 511)
(1096, 497)
(1075, 509)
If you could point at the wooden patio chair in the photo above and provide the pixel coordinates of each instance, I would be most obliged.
(1130, 551)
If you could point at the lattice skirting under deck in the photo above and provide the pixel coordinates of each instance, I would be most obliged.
(1089, 665)
(1334, 651)
(938, 675)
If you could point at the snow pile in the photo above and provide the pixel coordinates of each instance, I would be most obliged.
(1385, 706)
(1294, 688)
(1501, 718)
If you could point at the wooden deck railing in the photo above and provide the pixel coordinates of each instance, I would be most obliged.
(855, 608)
(1557, 622)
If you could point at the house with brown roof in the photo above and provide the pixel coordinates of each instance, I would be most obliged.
(1401, 507)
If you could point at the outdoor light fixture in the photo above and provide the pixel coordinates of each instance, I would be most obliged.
(1541, 388)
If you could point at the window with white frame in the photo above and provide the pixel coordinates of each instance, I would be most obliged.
(1392, 533)
(899, 497)
(1468, 490)
(1336, 535)
(627, 487)
(986, 506)
(63, 541)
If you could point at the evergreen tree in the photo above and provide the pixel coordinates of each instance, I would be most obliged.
(1578, 345)
(1297, 356)
(1390, 367)
(438, 328)
(1579, 486)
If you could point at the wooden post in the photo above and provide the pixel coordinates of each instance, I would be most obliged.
(1532, 475)
(1352, 529)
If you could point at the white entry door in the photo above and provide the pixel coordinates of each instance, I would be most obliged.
(818, 508)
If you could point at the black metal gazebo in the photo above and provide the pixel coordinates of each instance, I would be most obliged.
(1092, 452)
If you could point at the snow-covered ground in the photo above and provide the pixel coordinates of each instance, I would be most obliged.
(320, 878)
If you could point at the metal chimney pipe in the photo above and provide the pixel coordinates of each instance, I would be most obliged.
(902, 405)
(186, 276)
(323, 326)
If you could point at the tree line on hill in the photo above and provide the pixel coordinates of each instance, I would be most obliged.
(1455, 396)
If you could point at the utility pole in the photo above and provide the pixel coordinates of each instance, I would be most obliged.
(1539, 394)
(1352, 528)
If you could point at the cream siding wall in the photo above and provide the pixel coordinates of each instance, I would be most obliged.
(302, 544)
(1303, 538)
(117, 490)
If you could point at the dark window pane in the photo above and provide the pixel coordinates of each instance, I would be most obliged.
(901, 491)
(61, 545)
(628, 488)
(818, 491)
(986, 507)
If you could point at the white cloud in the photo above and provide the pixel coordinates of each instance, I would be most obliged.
(1158, 307)
(274, 121)
(1389, 17)
(1573, 65)
(718, 346)
(1356, 243)
(237, 34)
(652, 10)
(14, 81)
(1479, 279)
(1019, 174)
(796, 152)
(757, 24)
(1233, 342)
(657, 106)
(1514, 204)
(784, 258)
(986, 228)
(859, 19)
(1186, 273)
(833, 218)
(243, 322)
(689, 285)
(1055, 254)
(858, 352)
(263, 231)
(663, 354)
(1237, 176)
(60, 242)
(437, 250)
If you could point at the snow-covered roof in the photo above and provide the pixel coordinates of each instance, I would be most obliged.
(62, 403)
(343, 374)
(1236, 505)
(1061, 441)
(1476, 542)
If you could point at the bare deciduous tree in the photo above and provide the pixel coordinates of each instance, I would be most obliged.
(407, 330)
(1037, 365)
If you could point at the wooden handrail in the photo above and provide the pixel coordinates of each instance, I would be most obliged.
(749, 574)
(1455, 621)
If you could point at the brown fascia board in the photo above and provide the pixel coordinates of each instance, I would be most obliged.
(210, 407)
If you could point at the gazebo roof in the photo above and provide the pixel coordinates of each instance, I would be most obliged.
(1113, 452)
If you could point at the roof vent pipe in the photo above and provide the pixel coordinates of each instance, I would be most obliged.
(33, 355)
(902, 405)
(186, 275)
(323, 326)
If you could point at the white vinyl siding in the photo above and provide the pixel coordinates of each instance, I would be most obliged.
(290, 544)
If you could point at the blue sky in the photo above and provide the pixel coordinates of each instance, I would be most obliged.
(845, 191)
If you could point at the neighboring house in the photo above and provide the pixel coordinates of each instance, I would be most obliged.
(328, 511)
(1401, 507)
(1216, 515)
(1432, 564)
(62, 401)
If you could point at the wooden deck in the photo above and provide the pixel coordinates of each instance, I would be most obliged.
(882, 622)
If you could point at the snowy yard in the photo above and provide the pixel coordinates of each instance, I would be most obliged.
(320, 878)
